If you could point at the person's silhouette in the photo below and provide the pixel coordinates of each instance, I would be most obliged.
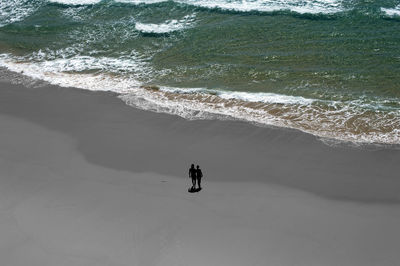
(199, 175)
(192, 174)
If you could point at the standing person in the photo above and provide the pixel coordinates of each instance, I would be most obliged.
(192, 174)
(199, 175)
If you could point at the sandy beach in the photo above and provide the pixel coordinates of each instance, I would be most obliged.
(87, 180)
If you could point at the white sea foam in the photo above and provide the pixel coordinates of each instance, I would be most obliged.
(392, 11)
(308, 6)
(137, 2)
(167, 26)
(15, 10)
(299, 6)
(75, 2)
(255, 97)
(59, 71)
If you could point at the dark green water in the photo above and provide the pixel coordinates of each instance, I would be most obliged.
(330, 68)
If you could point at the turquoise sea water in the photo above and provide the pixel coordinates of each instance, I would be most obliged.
(327, 67)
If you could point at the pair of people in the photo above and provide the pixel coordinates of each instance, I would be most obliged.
(196, 175)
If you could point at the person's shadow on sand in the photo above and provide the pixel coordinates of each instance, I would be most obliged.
(194, 190)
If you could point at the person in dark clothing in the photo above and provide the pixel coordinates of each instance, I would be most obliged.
(199, 175)
(192, 174)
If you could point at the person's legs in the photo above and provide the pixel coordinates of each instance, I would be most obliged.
(193, 183)
(199, 182)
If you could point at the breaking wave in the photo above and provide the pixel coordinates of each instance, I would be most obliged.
(75, 2)
(392, 11)
(307, 6)
(166, 27)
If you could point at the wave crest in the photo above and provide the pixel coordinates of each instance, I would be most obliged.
(166, 27)
(392, 12)
(75, 2)
(302, 7)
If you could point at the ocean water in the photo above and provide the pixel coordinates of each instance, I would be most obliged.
(327, 67)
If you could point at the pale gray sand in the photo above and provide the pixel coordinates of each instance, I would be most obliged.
(111, 134)
(56, 209)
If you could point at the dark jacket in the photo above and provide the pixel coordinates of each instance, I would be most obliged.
(192, 172)
(199, 174)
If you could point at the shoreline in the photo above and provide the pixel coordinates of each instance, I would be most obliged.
(114, 135)
(325, 119)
